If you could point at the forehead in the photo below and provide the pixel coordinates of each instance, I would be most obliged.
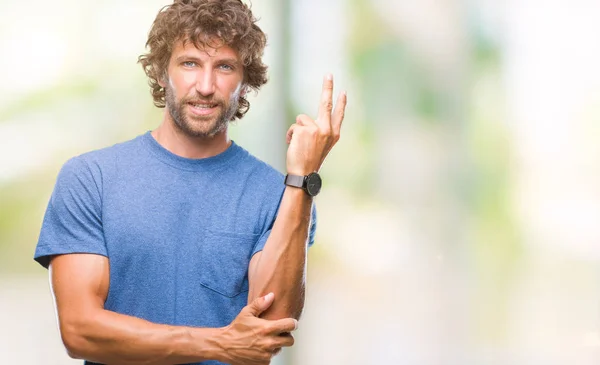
(206, 51)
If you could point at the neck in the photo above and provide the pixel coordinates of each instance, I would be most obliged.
(183, 145)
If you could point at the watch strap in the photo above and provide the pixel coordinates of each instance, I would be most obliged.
(294, 180)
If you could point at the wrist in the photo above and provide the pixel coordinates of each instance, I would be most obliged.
(298, 194)
(218, 345)
(311, 183)
(299, 172)
(207, 344)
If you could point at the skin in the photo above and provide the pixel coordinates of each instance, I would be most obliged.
(211, 89)
(80, 282)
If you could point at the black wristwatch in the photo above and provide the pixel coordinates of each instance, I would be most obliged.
(310, 183)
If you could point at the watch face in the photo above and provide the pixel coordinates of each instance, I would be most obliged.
(313, 184)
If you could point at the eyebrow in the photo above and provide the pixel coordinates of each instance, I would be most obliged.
(232, 61)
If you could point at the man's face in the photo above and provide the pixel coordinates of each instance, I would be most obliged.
(203, 88)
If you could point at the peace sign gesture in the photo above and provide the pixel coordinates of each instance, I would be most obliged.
(311, 140)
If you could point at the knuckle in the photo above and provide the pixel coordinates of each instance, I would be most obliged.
(328, 104)
(264, 331)
(273, 344)
(325, 130)
(303, 119)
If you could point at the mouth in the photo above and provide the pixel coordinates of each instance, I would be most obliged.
(201, 108)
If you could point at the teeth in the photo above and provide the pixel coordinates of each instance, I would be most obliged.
(202, 106)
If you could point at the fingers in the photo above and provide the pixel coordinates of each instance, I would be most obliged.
(279, 342)
(259, 305)
(326, 103)
(338, 114)
(305, 120)
(284, 325)
(290, 133)
(302, 120)
(286, 340)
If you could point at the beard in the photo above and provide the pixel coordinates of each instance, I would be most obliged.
(196, 125)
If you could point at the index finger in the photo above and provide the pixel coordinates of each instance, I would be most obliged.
(283, 325)
(326, 104)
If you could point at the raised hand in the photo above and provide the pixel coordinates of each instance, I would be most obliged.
(250, 340)
(311, 140)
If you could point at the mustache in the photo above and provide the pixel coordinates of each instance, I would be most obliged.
(212, 101)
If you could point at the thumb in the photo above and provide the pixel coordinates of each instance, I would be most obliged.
(260, 304)
(290, 133)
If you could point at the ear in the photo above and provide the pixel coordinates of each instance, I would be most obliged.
(244, 91)
(161, 82)
(163, 79)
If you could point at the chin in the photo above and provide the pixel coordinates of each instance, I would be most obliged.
(204, 132)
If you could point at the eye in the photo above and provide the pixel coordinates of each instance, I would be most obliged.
(226, 67)
(189, 63)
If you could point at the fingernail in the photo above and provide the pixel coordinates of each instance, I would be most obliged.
(329, 77)
(269, 296)
(295, 324)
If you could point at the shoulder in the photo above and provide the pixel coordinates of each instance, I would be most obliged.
(108, 154)
(90, 166)
(258, 169)
(259, 180)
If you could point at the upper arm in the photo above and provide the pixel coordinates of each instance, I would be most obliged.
(257, 252)
(73, 220)
(251, 275)
(79, 284)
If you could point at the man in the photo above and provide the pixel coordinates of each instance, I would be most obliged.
(179, 246)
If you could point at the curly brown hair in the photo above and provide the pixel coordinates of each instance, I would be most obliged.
(205, 23)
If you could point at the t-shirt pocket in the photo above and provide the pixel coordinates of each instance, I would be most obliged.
(225, 257)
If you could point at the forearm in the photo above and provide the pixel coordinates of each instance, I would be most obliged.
(281, 268)
(111, 338)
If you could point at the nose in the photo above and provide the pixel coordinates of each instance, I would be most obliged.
(205, 84)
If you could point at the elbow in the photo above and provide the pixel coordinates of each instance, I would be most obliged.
(73, 340)
(296, 313)
(73, 349)
(297, 306)
(292, 310)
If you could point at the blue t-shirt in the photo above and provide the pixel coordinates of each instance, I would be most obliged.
(179, 233)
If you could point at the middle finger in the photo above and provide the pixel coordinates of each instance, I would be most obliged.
(326, 103)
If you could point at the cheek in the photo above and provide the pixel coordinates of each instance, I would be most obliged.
(188, 79)
(182, 84)
(234, 90)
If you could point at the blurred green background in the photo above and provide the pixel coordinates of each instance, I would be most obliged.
(460, 217)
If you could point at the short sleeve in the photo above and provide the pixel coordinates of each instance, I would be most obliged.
(73, 220)
(312, 229)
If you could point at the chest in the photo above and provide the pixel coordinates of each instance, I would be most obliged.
(187, 230)
(179, 207)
